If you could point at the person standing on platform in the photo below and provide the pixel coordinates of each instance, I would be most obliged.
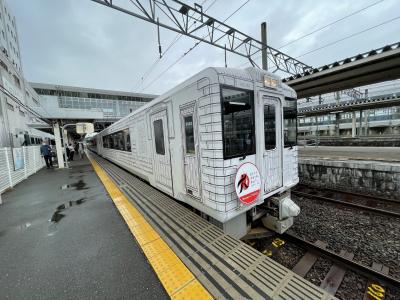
(80, 149)
(71, 152)
(45, 151)
(67, 151)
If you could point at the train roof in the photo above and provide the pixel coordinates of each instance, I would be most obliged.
(247, 74)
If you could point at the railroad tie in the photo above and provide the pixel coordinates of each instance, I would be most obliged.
(374, 289)
(335, 275)
(307, 261)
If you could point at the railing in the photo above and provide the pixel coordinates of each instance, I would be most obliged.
(9, 177)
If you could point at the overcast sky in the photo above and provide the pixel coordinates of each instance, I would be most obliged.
(82, 43)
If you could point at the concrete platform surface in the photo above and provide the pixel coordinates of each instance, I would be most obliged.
(61, 237)
(383, 154)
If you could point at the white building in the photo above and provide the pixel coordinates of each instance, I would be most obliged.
(18, 99)
(9, 43)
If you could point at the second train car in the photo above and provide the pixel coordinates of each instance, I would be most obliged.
(223, 141)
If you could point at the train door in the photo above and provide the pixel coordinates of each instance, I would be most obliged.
(272, 158)
(161, 155)
(190, 150)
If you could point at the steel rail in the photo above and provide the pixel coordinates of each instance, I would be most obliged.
(358, 194)
(344, 262)
(364, 207)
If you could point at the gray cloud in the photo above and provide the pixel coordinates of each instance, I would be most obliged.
(82, 43)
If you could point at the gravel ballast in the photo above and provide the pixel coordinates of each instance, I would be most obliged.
(371, 237)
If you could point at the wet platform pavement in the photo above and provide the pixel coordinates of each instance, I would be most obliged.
(61, 237)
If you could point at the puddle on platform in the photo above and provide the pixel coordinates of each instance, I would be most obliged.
(77, 202)
(57, 216)
(79, 185)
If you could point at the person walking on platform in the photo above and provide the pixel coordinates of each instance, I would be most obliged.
(45, 151)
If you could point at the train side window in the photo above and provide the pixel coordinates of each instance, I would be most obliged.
(159, 137)
(290, 129)
(189, 134)
(269, 127)
(121, 140)
(290, 122)
(111, 142)
(238, 122)
(105, 141)
(127, 140)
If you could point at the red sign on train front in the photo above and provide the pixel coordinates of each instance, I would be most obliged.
(248, 183)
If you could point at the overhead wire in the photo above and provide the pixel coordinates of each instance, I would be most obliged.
(172, 43)
(349, 36)
(191, 48)
(323, 27)
(330, 24)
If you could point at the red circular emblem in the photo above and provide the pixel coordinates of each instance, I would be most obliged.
(248, 183)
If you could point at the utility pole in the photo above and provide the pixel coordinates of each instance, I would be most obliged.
(264, 46)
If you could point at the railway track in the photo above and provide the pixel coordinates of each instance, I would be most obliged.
(378, 205)
(377, 274)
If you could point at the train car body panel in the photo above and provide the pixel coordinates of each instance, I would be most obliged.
(190, 142)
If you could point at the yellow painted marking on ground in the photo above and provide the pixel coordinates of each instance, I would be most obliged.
(176, 278)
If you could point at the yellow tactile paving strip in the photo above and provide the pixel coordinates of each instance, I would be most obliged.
(176, 278)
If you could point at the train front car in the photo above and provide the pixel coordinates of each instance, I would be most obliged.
(223, 141)
(260, 155)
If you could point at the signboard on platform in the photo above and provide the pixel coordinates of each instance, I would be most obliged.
(248, 183)
(82, 128)
(18, 156)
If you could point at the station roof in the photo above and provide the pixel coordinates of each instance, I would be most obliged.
(374, 66)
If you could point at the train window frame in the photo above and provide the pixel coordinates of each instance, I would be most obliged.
(159, 140)
(271, 147)
(192, 149)
(253, 127)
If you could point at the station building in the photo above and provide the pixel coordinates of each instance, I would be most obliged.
(348, 122)
(71, 104)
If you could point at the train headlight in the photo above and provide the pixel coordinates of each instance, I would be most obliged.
(270, 82)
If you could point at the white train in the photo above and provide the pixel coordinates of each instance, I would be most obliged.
(223, 141)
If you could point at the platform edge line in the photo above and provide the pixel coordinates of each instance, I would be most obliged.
(191, 288)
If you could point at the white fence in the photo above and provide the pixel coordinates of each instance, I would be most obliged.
(8, 176)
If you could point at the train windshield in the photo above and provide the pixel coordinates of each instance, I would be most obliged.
(290, 122)
(238, 122)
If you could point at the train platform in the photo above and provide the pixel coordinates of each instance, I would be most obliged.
(371, 171)
(61, 237)
(96, 231)
(339, 153)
